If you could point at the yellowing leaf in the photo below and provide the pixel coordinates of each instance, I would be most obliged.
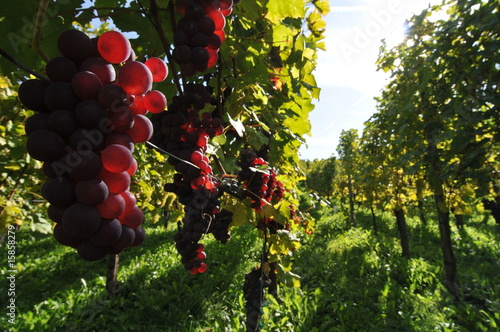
(279, 9)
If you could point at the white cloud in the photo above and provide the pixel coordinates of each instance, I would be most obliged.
(353, 50)
(353, 38)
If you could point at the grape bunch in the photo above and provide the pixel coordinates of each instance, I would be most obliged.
(183, 133)
(87, 119)
(199, 33)
(259, 180)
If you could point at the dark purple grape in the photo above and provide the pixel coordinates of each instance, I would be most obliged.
(86, 85)
(90, 252)
(31, 94)
(119, 138)
(64, 238)
(140, 235)
(91, 192)
(75, 45)
(60, 96)
(62, 122)
(190, 28)
(45, 145)
(180, 38)
(112, 96)
(199, 40)
(36, 122)
(59, 191)
(108, 233)
(90, 114)
(81, 221)
(199, 56)
(103, 69)
(206, 26)
(120, 119)
(55, 213)
(194, 12)
(85, 139)
(82, 165)
(126, 238)
(60, 69)
(182, 54)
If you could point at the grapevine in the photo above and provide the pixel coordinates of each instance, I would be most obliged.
(221, 117)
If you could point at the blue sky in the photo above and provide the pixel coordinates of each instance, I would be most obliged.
(346, 72)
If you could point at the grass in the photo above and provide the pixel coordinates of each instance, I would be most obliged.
(352, 280)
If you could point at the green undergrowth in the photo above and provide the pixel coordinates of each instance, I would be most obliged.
(364, 283)
(352, 279)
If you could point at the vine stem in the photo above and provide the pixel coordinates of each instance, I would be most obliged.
(219, 87)
(157, 148)
(37, 31)
(22, 66)
(166, 45)
(263, 260)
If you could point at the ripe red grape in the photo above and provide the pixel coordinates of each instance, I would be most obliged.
(87, 139)
(133, 217)
(121, 119)
(218, 18)
(206, 26)
(117, 182)
(130, 200)
(116, 158)
(114, 46)
(158, 69)
(133, 168)
(155, 101)
(226, 4)
(112, 207)
(203, 268)
(213, 57)
(119, 138)
(135, 78)
(142, 129)
(55, 213)
(138, 106)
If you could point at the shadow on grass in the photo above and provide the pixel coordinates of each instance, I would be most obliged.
(362, 278)
(155, 291)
